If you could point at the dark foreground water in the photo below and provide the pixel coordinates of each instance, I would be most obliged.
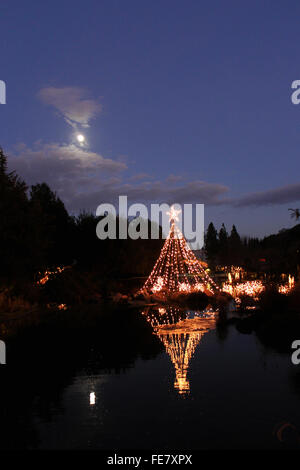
(157, 380)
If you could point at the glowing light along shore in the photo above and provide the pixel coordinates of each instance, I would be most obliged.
(48, 274)
(254, 288)
(286, 288)
(177, 269)
(250, 288)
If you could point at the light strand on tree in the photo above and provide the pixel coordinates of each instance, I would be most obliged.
(177, 269)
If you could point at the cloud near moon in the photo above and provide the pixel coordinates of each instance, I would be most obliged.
(84, 179)
(73, 103)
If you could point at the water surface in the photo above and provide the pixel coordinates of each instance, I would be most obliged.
(155, 379)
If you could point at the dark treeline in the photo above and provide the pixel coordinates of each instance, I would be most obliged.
(276, 254)
(37, 233)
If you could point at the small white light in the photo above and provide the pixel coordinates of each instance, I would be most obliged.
(80, 138)
(92, 398)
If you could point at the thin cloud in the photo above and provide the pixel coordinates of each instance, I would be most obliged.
(72, 103)
(59, 164)
(174, 179)
(278, 196)
(148, 192)
(85, 179)
(139, 177)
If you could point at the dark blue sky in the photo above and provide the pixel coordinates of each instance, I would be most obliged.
(196, 90)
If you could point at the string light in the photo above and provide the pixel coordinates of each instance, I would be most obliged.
(180, 336)
(62, 307)
(48, 274)
(254, 288)
(286, 288)
(177, 269)
(250, 288)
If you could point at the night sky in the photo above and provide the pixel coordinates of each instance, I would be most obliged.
(178, 101)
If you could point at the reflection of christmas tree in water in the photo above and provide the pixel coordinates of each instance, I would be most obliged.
(180, 338)
(177, 268)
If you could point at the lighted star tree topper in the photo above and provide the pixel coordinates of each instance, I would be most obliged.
(177, 270)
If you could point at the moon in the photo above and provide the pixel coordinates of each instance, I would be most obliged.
(80, 138)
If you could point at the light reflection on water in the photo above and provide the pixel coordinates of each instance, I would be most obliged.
(180, 332)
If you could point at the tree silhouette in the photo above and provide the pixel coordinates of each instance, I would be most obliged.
(223, 245)
(15, 229)
(235, 246)
(211, 244)
(295, 213)
(53, 226)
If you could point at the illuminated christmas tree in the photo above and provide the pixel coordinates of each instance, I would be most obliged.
(177, 269)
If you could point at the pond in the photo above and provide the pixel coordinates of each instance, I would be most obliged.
(153, 379)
